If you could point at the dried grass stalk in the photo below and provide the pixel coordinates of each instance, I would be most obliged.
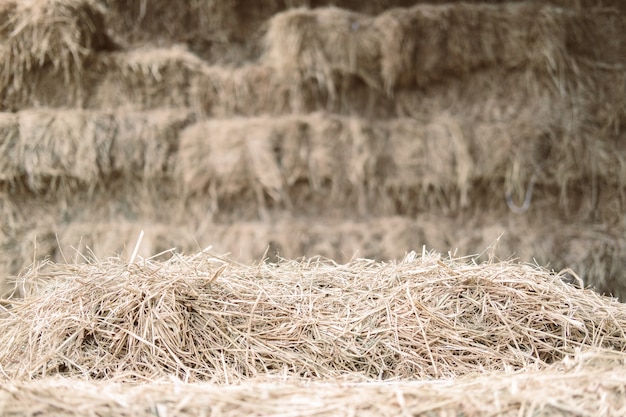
(203, 318)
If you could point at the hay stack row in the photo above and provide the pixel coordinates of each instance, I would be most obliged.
(443, 112)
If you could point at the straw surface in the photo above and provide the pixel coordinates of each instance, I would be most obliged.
(584, 385)
(203, 318)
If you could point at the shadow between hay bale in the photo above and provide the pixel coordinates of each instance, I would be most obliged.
(204, 318)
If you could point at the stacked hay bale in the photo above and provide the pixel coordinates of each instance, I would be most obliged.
(338, 131)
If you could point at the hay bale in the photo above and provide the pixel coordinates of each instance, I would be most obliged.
(205, 318)
(57, 34)
(139, 79)
(404, 47)
(199, 23)
(142, 79)
(276, 160)
(250, 90)
(48, 150)
(318, 45)
(572, 386)
(428, 43)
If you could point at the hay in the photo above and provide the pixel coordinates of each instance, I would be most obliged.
(248, 90)
(203, 318)
(586, 384)
(142, 79)
(265, 161)
(58, 35)
(396, 166)
(431, 43)
(199, 23)
(48, 150)
(320, 44)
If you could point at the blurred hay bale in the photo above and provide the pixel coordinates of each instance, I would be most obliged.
(204, 318)
(199, 23)
(373, 165)
(142, 79)
(318, 45)
(415, 46)
(56, 34)
(250, 90)
(271, 158)
(429, 43)
(48, 150)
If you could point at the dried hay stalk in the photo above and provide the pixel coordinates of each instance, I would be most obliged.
(36, 33)
(203, 318)
(49, 149)
(585, 384)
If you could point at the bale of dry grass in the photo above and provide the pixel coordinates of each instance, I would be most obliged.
(584, 384)
(142, 79)
(47, 150)
(430, 43)
(199, 23)
(416, 46)
(204, 318)
(268, 161)
(320, 44)
(375, 165)
(58, 35)
(250, 90)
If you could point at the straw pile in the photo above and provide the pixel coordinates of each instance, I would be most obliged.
(204, 318)
(58, 35)
(586, 385)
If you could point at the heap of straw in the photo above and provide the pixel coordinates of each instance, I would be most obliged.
(203, 318)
